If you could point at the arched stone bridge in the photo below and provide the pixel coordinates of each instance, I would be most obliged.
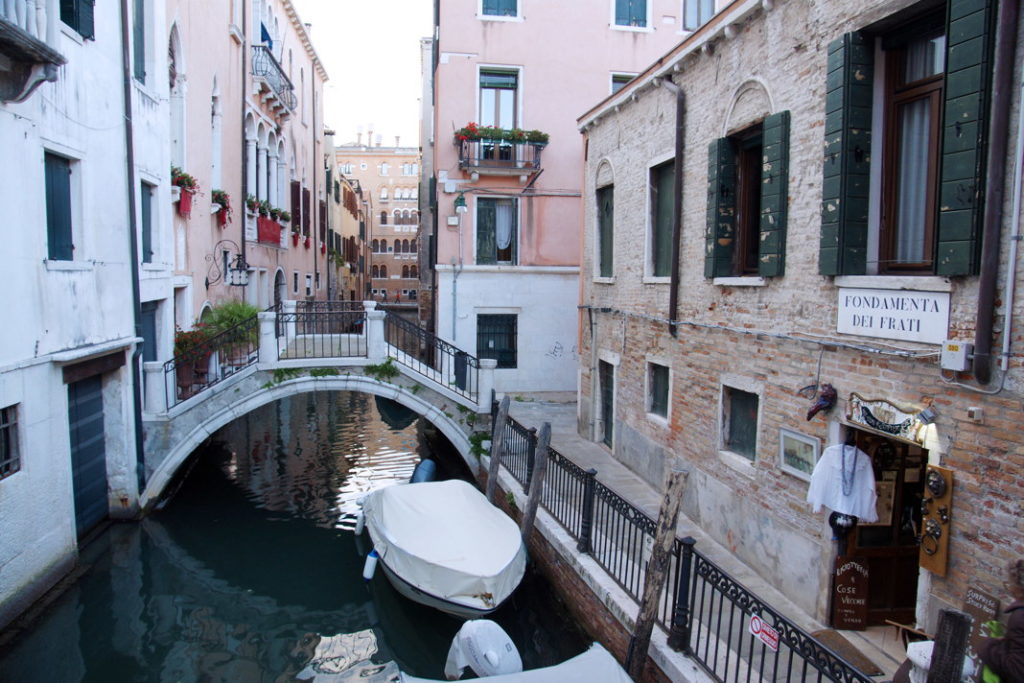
(315, 346)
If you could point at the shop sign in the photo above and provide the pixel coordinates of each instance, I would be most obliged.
(767, 635)
(850, 599)
(885, 417)
(983, 608)
(894, 314)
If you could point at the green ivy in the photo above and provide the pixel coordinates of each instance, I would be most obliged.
(476, 443)
(283, 375)
(324, 372)
(382, 371)
(511, 500)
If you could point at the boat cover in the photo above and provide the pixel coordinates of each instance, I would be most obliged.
(445, 539)
(596, 665)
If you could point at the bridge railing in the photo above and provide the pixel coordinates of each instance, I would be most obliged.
(209, 361)
(432, 357)
(321, 329)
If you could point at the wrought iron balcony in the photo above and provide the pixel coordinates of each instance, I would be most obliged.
(271, 78)
(500, 157)
(28, 39)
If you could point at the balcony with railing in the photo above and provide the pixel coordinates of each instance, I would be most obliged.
(275, 87)
(500, 157)
(29, 33)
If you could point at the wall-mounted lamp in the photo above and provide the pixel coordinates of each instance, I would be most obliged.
(927, 416)
(460, 204)
(234, 271)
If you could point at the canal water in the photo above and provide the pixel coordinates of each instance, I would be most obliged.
(250, 571)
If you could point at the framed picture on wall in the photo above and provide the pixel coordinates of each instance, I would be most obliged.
(798, 453)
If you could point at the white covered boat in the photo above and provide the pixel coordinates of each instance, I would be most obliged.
(596, 665)
(444, 545)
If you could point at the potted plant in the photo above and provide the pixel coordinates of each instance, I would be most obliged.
(187, 186)
(285, 216)
(224, 321)
(296, 234)
(323, 247)
(222, 202)
(191, 356)
(275, 213)
(308, 243)
(264, 208)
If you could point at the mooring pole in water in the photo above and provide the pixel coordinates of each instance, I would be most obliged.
(497, 448)
(657, 568)
(540, 468)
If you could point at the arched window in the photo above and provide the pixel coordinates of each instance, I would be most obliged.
(405, 246)
(405, 271)
(383, 193)
(383, 217)
(413, 272)
(375, 246)
(374, 271)
(383, 271)
(415, 217)
(398, 217)
(412, 247)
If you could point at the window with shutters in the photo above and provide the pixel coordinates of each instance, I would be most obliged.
(10, 454)
(908, 198)
(631, 13)
(146, 220)
(496, 338)
(619, 81)
(139, 40)
(746, 210)
(696, 13)
(739, 422)
(79, 15)
(59, 238)
(658, 390)
(498, 98)
(605, 231)
(662, 182)
(499, 8)
(497, 230)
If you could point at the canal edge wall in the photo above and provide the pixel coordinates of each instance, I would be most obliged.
(596, 602)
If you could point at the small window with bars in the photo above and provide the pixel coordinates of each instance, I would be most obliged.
(657, 389)
(496, 338)
(739, 422)
(10, 461)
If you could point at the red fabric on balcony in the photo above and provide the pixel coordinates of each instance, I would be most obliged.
(268, 230)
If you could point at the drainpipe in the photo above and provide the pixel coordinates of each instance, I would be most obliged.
(677, 208)
(313, 200)
(133, 241)
(1011, 275)
(995, 173)
(245, 156)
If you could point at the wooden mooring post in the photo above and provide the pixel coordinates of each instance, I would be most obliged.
(537, 481)
(657, 569)
(497, 448)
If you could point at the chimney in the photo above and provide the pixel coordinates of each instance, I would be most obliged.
(378, 139)
(359, 134)
(396, 140)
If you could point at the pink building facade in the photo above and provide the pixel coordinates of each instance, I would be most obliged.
(508, 213)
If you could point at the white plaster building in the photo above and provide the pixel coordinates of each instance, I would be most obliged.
(84, 199)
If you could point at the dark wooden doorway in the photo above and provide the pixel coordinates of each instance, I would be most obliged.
(890, 545)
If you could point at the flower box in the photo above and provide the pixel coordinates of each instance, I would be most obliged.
(185, 203)
(295, 239)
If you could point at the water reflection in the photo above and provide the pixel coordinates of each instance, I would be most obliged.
(249, 573)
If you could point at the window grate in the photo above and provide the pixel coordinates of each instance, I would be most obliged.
(10, 462)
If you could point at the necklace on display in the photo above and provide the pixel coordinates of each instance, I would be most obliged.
(848, 477)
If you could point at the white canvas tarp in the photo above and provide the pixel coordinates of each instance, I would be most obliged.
(595, 665)
(445, 539)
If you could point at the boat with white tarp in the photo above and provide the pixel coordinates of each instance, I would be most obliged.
(444, 545)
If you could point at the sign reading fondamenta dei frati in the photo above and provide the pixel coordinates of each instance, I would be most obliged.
(894, 314)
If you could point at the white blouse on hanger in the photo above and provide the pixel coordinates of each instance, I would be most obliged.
(844, 484)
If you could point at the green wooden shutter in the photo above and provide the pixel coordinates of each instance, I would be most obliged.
(57, 172)
(638, 12)
(139, 40)
(146, 211)
(622, 12)
(969, 42)
(774, 190)
(844, 210)
(486, 239)
(605, 213)
(663, 205)
(720, 238)
(86, 18)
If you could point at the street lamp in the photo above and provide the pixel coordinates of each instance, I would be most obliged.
(235, 272)
(460, 204)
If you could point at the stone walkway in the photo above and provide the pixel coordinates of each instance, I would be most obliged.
(532, 410)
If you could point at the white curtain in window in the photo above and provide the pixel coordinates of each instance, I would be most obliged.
(915, 124)
(503, 219)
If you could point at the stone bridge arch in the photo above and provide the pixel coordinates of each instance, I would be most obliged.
(170, 442)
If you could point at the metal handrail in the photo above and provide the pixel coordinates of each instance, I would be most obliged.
(704, 609)
(265, 66)
(432, 357)
(211, 361)
(495, 154)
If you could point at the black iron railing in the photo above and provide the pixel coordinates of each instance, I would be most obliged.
(706, 612)
(265, 66)
(499, 155)
(211, 361)
(322, 329)
(432, 357)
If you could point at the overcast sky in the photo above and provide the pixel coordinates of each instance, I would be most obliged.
(371, 51)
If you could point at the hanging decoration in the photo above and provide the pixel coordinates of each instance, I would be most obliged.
(825, 402)
(844, 481)
(885, 417)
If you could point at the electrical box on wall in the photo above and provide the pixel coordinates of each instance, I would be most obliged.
(453, 221)
(956, 355)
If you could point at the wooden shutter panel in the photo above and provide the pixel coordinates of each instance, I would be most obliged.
(139, 40)
(57, 173)
(969, 43)
(486, 237)
(844, 206)
(622, 8)
(774, 190)
(720, 237)
(296, 205)
(323, 221)
(307, 220)
(86, 18)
